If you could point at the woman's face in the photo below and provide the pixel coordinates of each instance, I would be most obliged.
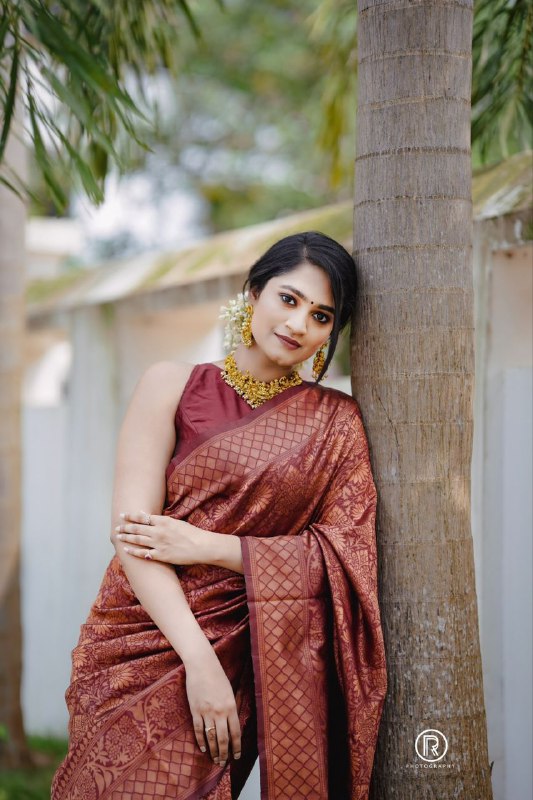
(292, 305)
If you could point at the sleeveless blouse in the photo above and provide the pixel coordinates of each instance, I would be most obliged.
(206, 402)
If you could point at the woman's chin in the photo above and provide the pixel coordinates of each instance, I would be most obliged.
(279, 355)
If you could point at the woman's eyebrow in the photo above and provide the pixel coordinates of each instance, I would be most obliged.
(303, 297)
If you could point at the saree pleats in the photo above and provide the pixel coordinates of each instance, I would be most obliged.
(298, 634)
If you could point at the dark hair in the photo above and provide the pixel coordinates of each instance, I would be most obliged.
(322, 251)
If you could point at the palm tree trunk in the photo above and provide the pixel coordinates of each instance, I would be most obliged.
(413, 374)
(13, 748)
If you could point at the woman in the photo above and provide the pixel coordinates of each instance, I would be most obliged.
(240, 613)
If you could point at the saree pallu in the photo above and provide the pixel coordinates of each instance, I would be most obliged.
(298, 635)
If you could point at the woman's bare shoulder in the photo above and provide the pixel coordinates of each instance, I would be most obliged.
(168, 370)
(166, 380)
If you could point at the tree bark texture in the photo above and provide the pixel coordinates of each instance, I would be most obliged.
(413, 373)
(13, 748)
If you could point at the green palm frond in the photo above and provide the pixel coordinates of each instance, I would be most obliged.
(502, 102)
(69, 63)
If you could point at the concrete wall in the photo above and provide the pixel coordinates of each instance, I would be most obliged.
(502, 514)
(46, 621)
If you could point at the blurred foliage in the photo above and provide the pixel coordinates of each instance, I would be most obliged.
(233, 100)
(235, 208)
(502, 83)
(243, 118)
(68, 61)
(34, 784)
(502, 79)
(334, 33)
(252, 103)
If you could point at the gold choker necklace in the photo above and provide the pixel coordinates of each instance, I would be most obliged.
(254, 391)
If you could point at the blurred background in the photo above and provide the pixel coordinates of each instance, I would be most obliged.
(237, 127)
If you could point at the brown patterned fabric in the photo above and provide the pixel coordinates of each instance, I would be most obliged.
(298, 634)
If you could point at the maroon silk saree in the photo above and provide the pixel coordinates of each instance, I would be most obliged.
(298, 635)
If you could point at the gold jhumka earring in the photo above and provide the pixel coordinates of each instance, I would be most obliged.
(246, 329)
(318, 361)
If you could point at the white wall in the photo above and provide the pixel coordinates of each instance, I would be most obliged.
(516, 571)
(502, 515)
(67, 485)
(46, 645)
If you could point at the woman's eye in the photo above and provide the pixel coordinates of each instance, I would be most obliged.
(325, 317)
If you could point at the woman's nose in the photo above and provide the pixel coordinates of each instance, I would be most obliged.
(297, 323)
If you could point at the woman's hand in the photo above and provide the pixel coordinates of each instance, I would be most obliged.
(178, 542)
(213, 706)
(164, 538)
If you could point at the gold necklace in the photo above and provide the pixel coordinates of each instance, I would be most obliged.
(254, 391)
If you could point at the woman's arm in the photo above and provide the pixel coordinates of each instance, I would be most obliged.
(144, 449)
(145, 445)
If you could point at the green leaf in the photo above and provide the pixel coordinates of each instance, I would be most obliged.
(92, 189)
(79, 62)
(81, 109)
(43, 160)
(502, 78)
(192, 22)
(4, 27)
(10, 101)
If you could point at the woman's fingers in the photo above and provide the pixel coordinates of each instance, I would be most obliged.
(235, 733)
(215, 733)
(210, 733)
(222, 739)
(136, 528)
(135, 538)
(198, 725)
(142, 517)
(131, 533)
(143, 552)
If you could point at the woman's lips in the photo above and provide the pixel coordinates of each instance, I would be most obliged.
(287, 342)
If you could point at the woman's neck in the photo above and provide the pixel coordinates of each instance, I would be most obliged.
(253, 360)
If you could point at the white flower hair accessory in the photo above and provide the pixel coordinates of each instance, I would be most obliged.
(234, 314)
